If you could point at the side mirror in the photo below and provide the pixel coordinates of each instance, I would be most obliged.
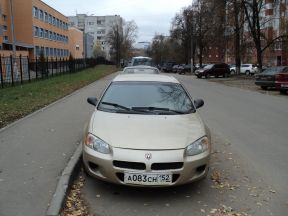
(198, 103)
(92, 100)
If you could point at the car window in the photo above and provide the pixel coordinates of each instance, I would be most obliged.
(274, 70)
(147, 94)
(208, 66)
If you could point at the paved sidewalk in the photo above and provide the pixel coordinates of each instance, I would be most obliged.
(35, 150)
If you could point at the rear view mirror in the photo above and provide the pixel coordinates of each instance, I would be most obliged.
(198, 103)
(92, 100)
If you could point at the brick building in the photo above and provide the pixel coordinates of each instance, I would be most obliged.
(38, 28)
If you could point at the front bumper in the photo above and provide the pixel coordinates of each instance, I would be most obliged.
(111, 168)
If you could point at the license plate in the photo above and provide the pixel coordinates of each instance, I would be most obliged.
(284, 85)
(147, 178)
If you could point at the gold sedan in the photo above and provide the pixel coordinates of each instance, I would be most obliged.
(146, 131)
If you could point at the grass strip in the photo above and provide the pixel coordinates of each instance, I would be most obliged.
(21, 100)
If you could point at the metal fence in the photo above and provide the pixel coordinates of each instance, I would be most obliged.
(22, 69)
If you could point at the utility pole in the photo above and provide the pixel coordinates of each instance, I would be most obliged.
(12, 30)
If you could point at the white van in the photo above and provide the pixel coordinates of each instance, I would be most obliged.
(141, 60)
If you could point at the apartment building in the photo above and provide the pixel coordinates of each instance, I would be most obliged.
(33, 27)
(97, 26)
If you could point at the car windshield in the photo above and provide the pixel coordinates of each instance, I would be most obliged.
(141, 70)
(146, 97)
(274, 70)
(208, 66)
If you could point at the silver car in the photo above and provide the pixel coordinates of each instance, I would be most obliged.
(146, 131)
(141, 69)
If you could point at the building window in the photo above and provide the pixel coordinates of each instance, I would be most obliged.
(36, 31)
(4, 17)
(50, 19)
(46, 34)
(101, 31)
(5, 38)
(4, 28)
(41, 32)
(46, 17)
(35, 12)
(77, 47)
(47, 51)
(41, 15)
(51, 52)
(99, 38)
(54, 21)
(90, 23)
(38, 51)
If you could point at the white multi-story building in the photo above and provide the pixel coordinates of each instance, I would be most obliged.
(97, 26)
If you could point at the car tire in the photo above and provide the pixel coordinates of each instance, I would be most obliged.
(233, 71)
(207, 76)
(247, 72)
(199, 76)
(264, 87)
(283, 91)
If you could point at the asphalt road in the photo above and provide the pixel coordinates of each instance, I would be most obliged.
(35, 150)
(249, 171)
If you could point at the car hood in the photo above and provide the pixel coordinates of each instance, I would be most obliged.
(135, 131)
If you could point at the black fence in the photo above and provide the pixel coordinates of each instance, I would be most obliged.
(22, 69)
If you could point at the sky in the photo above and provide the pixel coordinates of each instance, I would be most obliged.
(151, 16)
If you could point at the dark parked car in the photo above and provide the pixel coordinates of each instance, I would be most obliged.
(185, 69)
(281, 82)
(215, 70)
(167, 67)
(267, 78)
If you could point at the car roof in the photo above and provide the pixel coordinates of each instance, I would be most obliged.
(140, 66)
(145, 77)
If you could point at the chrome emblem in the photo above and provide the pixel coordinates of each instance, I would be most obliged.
(148, 156)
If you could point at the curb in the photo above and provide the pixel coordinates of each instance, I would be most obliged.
(67, 177)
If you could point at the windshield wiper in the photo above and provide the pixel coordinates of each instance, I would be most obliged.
(116, 105)
(152, 109)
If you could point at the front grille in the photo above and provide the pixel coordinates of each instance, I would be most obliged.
(167, 166)
(129, 165)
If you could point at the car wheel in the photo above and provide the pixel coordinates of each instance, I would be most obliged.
(199, 76)
(283, 91)
(207, 76)
(233, 71)
(247, 72)
(264, 87)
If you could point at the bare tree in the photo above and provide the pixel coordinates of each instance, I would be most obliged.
(256, 22)
(121, 37)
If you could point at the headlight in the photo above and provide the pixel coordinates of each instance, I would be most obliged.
(97, 144)
(199, 146)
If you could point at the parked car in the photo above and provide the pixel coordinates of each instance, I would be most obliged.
(141, 69)
(185, 69)
(167, 67)
(215, 70)
(175, 68)
(140, 133)
(281, 82)
(248, 69)
(267, 78)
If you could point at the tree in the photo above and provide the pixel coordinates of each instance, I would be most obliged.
(256, 22)
(121, 37)
(98, 52)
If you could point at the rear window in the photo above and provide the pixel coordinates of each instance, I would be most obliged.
(275, 70)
